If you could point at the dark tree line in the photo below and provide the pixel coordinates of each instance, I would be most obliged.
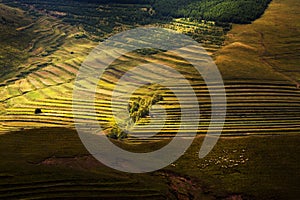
(85, 11)
(236, 11)
(118, 1)
(100, 17)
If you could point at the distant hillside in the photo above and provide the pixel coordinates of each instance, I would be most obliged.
(13, 39)
(237, 11)
(267, 49)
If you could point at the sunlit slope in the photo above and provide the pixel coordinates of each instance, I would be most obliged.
(54, 56)
(253, 108)
(267, 49)
(46, 79)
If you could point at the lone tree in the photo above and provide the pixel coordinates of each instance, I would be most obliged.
(38, 111)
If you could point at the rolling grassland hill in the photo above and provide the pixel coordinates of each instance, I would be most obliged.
(267, 49)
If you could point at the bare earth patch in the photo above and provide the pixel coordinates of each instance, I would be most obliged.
(85, 162)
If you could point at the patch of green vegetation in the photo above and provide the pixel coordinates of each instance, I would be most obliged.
(148, 51)
(117, 131)
(236, 11)
(138, 108)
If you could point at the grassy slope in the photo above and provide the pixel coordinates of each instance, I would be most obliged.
(54, 55)
(267, 49)
(13, 41)
(53, 163)
(24, 175)
(258, 167)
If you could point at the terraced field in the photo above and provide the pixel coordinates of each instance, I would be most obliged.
(210, 35)
(259, 105)
(55, 55)
(253, 107)
(46, 82)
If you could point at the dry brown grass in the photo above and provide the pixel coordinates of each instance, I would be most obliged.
(267, 49)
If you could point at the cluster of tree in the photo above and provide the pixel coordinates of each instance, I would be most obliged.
(138, 108)
(236, 11)
(118, 1)
(116, 132)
